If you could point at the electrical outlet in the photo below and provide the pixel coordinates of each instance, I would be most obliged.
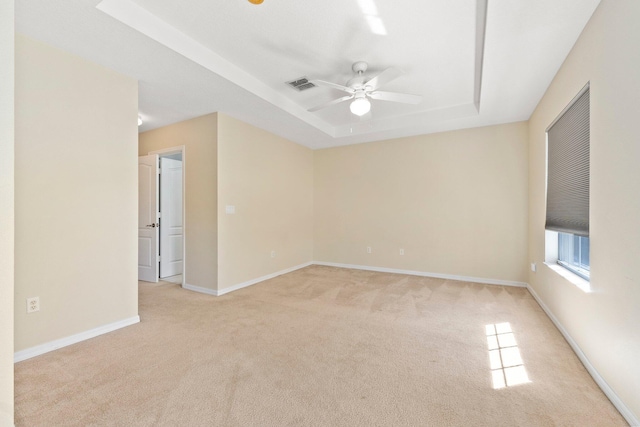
(273, 254)
(33, 304)
(401, 251)
(368, 249)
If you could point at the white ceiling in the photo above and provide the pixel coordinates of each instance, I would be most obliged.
(475, 64)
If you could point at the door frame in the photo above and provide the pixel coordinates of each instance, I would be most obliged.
(180, 149)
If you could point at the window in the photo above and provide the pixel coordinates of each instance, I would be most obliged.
(573, 253)
(568, 146)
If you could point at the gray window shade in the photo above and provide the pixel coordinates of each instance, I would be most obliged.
(568, 170)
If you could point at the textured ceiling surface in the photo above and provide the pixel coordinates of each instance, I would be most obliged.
(474, 62)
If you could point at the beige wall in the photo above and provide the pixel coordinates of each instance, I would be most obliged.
(456, 203)
(606, 322)
(76, 198)
(199, 136)
(6, 210)
(269, 180)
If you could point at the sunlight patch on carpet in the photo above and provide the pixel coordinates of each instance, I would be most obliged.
(507, 368)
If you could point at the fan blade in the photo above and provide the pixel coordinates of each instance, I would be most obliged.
(332, 85)
(330, 103)
(396, 97)
(383, 78)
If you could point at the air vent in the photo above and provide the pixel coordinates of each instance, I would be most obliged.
(301, 84)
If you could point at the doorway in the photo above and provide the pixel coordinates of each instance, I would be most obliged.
(168, 264)
(171, 227)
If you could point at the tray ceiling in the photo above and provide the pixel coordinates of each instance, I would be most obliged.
(474, 63)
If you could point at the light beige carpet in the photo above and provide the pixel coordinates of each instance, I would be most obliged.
(319, 347)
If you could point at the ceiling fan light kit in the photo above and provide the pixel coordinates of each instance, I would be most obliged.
(361, 89)
(360, 106)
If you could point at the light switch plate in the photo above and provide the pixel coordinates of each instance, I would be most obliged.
(230, 210)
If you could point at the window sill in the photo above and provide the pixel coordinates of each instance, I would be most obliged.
(578, 281)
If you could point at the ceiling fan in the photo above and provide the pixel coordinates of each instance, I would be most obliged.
(360, 89)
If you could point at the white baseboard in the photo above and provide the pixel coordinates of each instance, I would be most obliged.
(226, 290)
(261, 279)
(199, 289)
(28, 353)
(606, 389)
(426, 274)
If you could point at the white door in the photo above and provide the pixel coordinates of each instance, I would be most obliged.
(148, 218)
(171, 217)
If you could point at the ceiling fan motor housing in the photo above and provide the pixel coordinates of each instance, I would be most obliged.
(356, 83)
(360, 94)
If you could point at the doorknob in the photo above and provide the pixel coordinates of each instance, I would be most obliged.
(153, 225)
